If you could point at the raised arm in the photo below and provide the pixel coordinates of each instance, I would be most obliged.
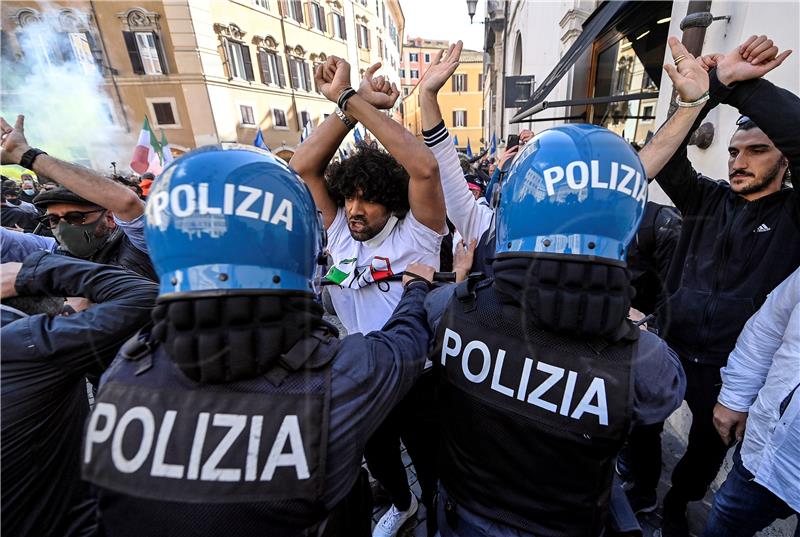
(691, 82)
(424, 190)
(313, 156)
(470, 218)
(86, 183)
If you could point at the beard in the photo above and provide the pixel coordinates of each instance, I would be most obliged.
(758, 185)
(363, 231)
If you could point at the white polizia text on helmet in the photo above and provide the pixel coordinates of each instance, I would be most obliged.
(238, 200)
(580, 175)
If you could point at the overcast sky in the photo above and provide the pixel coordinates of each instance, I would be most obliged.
(444, 19)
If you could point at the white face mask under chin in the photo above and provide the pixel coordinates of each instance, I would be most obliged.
(378, 239)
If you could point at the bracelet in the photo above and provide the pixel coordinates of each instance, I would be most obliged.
(344, 96)
(419, 279)
(349, 123)
(29, 156)
(699, 102)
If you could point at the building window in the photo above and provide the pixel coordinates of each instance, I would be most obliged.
(145, 52)
(480, 81)
(339, 29)
(164, 113)
(262, 3)
(248, 117)
(383, 12)
(279, 119)
(402, 73)
(380, 48)
(298, 71)
(237, 56)
(363, 36)
(271, 68)
(648, 111)
(317, 17)
(414, 73)
(459, 118)
(405, 92)
(460, 82)
(293, 9)
(305, 119)
(483, 113)
(427, 57)
(413, 57)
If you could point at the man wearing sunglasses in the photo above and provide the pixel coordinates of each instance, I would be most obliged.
(91, 216)
(739, 238)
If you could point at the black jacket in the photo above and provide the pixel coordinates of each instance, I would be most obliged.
(43, 391)
(650, 254)
(731, 252)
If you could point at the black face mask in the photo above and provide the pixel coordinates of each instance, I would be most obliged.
(80, 240)
(16, 201)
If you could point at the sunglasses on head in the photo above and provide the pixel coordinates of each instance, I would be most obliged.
(75, 218)
(742, 120)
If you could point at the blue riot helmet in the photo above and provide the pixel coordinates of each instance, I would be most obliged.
(233, 218)
(574, 190)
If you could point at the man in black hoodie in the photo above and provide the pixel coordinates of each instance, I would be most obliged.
(739, 238)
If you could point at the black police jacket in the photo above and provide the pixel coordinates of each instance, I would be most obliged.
(43, 388)
(531, 420)
(731, 252)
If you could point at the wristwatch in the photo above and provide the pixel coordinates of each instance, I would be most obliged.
(29, 156)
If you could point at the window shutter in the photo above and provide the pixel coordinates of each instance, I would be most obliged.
(284, 7)
(162, 58)
(455, 115)
(299, 10)
(293, 73)
(306, 75)
(342, 27)
(248, 63)
(133, 53)
(227, 56)
(455, 85)
(281, 75)
(322, 19)
(369, 39)
(263, 65)
(465, 118)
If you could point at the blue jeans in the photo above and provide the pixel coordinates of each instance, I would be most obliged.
(742, 507)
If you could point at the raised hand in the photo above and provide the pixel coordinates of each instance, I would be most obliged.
(752, 59)
(688, 75)
(441, 69)
(13, 140)
(332, 77)
(377, 91)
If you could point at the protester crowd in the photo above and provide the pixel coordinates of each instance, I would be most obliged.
(523, 325)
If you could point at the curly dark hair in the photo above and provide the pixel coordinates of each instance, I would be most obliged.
(379, 177)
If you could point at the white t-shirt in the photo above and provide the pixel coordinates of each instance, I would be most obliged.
(363, 303)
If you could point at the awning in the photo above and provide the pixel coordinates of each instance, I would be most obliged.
(581, 102)
(592, 28)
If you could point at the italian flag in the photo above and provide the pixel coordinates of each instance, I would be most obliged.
(147, 154)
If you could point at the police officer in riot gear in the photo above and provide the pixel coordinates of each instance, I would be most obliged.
(240, 412)
(541, 374)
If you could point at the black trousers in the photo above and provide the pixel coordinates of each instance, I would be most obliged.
(414, 420)
(705, 451)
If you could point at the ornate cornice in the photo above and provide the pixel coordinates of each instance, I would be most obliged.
(229, 30)
(139, 18)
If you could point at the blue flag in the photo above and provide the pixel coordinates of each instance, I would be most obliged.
(259, 141)
(493, 147)
(455, 140)
(357, 136)
(469, 149)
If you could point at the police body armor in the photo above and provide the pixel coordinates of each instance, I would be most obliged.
(174, 458)
(532, 420)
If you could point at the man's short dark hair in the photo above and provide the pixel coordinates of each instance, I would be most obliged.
(36, 304)
(379, 177)
(744, 123)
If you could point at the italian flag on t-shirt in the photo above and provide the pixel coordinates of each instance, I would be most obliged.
(338, 274)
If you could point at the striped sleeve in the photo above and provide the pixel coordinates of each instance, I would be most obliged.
(436, 135)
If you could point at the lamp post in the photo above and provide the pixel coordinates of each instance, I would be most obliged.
(472, 5)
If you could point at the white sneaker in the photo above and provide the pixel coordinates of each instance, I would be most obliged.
(391, 522)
